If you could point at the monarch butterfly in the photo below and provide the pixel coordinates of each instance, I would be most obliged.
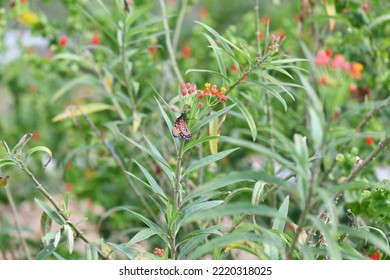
(180, 128)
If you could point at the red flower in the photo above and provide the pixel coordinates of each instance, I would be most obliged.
(367, 7)
(69, 187)
(340, 62)
(374, 256)
(95, 40)
(63, 41)
(200, 94)
(152, 48)
(323, 80)
(234, 68)
(370, 140)
(265, 20)
(23, 1)
(275, 38)
(322, 58)
(186, 51)
(260, 36)
(36, 136)
(158, 252)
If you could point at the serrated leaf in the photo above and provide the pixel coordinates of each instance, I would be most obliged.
(50, 212)
(207, 160)
(80, 110)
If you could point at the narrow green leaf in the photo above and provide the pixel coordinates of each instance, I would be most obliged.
(203, 232)
(57, 238)
(152, 182)
(283, 211)
(219, 75)
(248, 117)
(47, 251)
(163, 235)
(50, 212)
(218, 56)
(236, 177)
(45, 226)
(22, 142)
(377, 21)
(70, 237)
(84, 109)
(196, 209)
(40, 149)
(142, 235)
(146, 150)
(207, 119)
(6, 161)
(257, 192)
(189, 145)
(207, 160)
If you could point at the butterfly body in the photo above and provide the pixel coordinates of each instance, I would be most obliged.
(180, 128)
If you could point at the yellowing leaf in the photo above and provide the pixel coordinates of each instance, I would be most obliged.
(213, 129)
(136, 121)
(330, 8)
(74, 111)
(29, 18)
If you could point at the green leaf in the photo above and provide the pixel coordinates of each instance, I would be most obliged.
(22, 142)
(47, 251)
(193, 209)
(203, 232)
(142, 235)
(207, 71)
(131, 252)
(7, 161)
(190, 246)
(257, 191)
(225, 241)
(236, 177)
(45, 226)
(283, 211)
(218, 56)
(207, 160)
(260, 149)
(50, 212)
(152, 182)
(233, 209)
(70, 237)
(377, 21)
(190, 144)
(207, 119)
(157, 157)
(40, 149)
(163, 235)
(248, 117)
(316, 128)
(57, 238)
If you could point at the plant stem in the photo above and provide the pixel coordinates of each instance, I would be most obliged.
(179, 24)
(177, 191)
(360, 126)
(17, 223)
(57, 207)
(169, 43)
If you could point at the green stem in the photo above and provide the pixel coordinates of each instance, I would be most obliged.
(17, 223)
(57, 207)
(168, 42)
(177, 191)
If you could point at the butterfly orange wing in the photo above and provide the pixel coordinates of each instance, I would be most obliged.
(180, 128)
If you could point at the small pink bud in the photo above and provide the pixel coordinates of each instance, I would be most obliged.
(200, 104)
(182, 85)
(188, 85)
(200, 94)
(184, 92)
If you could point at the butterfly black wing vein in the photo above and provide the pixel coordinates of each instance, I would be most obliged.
(180, 128)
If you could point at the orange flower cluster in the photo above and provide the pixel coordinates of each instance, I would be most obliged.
(324, 58)
(213, 90)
